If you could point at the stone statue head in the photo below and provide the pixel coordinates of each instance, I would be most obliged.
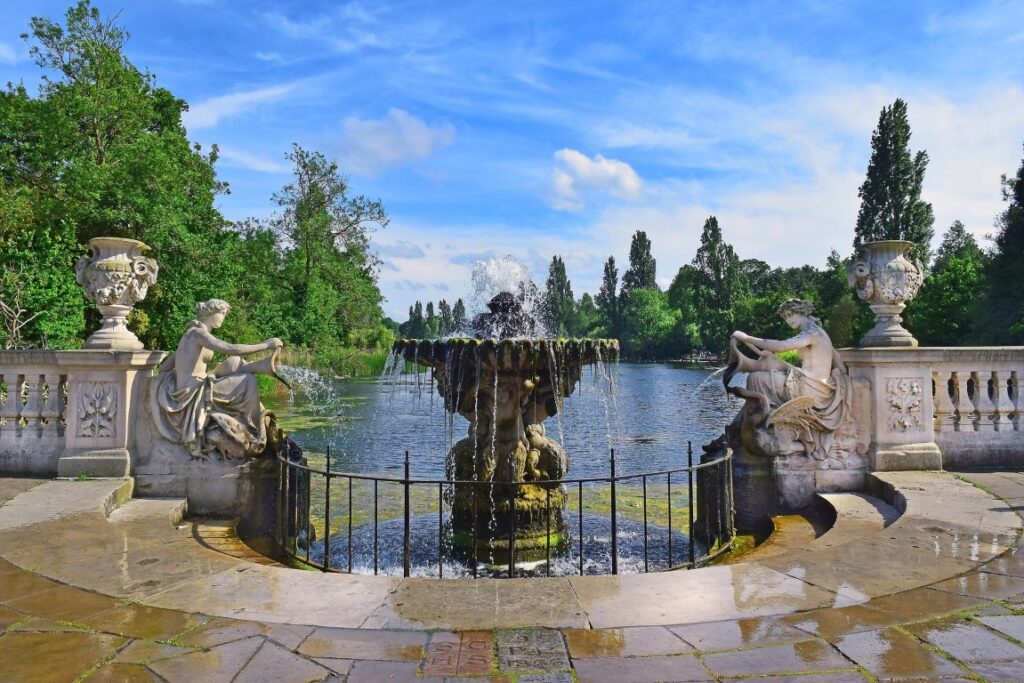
(793, 308)
(208, 309)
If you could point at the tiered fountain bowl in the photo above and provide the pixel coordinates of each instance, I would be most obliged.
(506, 388)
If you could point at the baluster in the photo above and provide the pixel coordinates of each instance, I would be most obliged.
(945, 411)
(982, 399)
(32, 411)
(964, 405)
(1001, 402)
(53, 409)
(11, 408)
(1013, 389)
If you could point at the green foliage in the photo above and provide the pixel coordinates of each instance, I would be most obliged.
(558, 303)
(641, 273)
(1003, 313)
(607, 299)
(891, 206)
(648, 322)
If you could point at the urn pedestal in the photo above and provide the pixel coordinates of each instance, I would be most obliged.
(884, 278)
(115, 278)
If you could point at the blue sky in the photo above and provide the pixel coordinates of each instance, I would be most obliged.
(542, 128)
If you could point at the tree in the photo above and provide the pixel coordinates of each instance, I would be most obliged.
(444, 317)
(891, 206)
(558, 302)
(607, 299)
(1003, 319)
(944, 310)
(647, 324)
(719, 285)
(642, 266)
(460, 325)
(586, 319)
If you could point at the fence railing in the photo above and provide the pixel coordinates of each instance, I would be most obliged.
(417, 513)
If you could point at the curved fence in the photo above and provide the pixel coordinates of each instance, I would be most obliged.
(347, 522)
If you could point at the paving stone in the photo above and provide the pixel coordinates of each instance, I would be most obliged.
(142, 621)
(56, 657)
(63, 603)
(635, 641)
(737, 633)
(221, 663)
(1012, 626)
(560, 677)
(891, 654)
(442, 655)
(808, 655)
(348, 643)
(475, 653)
(287, 635)
(639, 669)
(1011, 562)
(967, 642)
(21, 584)
(901, 608)
(1000, 672)
(993, 610)
(378, 671)
(274, 663)
(535, 649)
(220, 631)
(123, 673)
(144, 651)
(982, 585)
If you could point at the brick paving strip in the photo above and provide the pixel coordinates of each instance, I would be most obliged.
(970, 627)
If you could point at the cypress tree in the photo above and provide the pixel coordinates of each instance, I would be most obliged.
(1005, 273)
(891, 206)
(642, 266)
(607, 300)
(558, 298)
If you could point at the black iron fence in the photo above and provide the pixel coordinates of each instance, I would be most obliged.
(362, 514)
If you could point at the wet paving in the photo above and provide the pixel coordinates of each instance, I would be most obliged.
(777, 625)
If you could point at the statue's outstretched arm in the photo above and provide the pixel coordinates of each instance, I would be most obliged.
(774, 345)
(214, 344)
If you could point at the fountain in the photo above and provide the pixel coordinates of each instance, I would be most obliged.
(506, 382)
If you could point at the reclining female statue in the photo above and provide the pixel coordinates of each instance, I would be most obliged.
(791, 409)
(216, 412)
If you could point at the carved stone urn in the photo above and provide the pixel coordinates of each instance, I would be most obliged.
(115, 278)
(886, 279)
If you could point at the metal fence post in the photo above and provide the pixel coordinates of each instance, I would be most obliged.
(615, 522)
(689, 477)
(406, 558)
(327, 510)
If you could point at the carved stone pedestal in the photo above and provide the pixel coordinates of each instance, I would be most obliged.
(102, 390)
(901, 415)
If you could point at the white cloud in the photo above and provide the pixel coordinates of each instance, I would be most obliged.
(8, 55)
(253, 162)
(575, 172)
(208, 113)
(371, 145)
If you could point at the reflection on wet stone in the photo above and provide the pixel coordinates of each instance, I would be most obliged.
(538, 649)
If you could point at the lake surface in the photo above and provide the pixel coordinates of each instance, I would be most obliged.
(648, 415)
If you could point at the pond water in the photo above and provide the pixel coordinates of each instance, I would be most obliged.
(648, 418)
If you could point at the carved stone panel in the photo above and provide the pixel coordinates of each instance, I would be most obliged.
(97, 409)
(905, 401)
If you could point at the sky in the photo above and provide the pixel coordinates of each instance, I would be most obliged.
(543, 128)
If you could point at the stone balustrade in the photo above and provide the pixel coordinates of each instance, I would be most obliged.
(941, 407)
(32, 412)
(977, 405)
(68, 413)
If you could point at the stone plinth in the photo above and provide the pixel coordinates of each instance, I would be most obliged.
(102, 406)
(898, 414)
